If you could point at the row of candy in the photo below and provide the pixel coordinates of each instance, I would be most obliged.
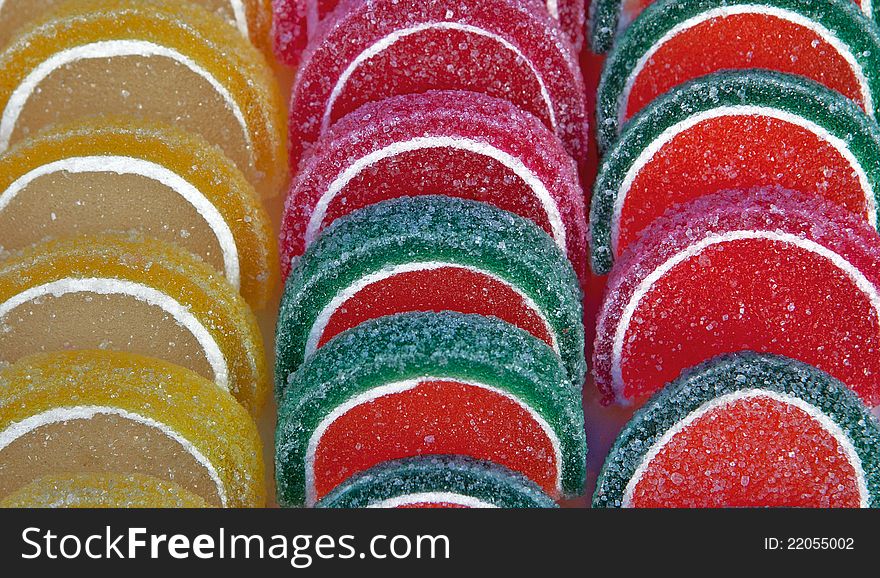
(136, 140)
(430, 343)
(736, 210)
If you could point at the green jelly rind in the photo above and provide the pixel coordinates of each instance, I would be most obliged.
(603, 22)
(469, 348)
(431, 228)
(727, 374)
(842, 17)
(485, 481)
(785, 92)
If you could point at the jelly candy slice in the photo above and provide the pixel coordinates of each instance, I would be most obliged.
(429, 383)
(674, 41)
(766, 270)
(509, 49)
(162, 61)
(437, 482)
(123, 175)
(781, 433)
(251, 17)
(104, 490)
(430, 254)
(112, 412)
(137, 295)
(452, 143)
(741, 130)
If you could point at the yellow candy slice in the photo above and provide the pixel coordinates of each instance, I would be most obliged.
(253, 18)
(112, 412)
(161, 60)
(122, 175)
(103, 490)
(131, 294)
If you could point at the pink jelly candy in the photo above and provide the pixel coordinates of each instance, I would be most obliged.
(369, 51)
(765, 270)
(461, 144)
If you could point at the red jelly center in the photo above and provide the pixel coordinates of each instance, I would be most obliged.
(733, 152)
(751, 452)
(435, 417)
(742, 41)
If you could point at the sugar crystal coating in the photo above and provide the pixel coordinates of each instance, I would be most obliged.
(160, 290)
(412, 482)
(509, 49)
(442, 142)
(728, 130)
(677, 40)
(433, 348)
(767, 270)
(506, 267)
(801, 438)
(119, 159)
(207, 418)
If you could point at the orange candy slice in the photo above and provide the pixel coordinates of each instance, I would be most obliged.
(123, 175)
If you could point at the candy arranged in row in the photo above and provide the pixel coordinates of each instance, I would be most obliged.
(137, 139)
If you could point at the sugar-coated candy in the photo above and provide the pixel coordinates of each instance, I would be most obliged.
(123, 175)
(674, 41)
(252, 18)
(727, 130)
(102, 490)
(112, 412)
(160, 60)
(509, 49)
(437, 482)
(429, 383)
(430, 253)
(766, 270)
(131, 294)
(609, 18)
(746, 430)
(462, 144)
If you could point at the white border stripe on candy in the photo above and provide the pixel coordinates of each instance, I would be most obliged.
(401, 387)
(557, 227)
(648, 154)
(389, 40)
(323, 318)
(132, 166)
(105, 49)
(240, 13)
(86, 412)
(553, 8)
(432, 498)
(143, 293)
(725, 11)
(648, 282)
(814, 412)
(867, 7)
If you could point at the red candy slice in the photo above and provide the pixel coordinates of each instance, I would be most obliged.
(466, 145)
(767, 270)
(374, 50)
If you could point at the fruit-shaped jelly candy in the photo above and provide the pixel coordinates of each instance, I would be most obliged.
(727, 130)
(253, 18)
(112, 412)
(430, 253)
(429, 383)
(160, 60)
(437, 482)
(138, 295)
(764, 270)
(295, 21)
(674, 41)
(102, 490)
(746, 430)
(122, 175)
(510, 49)
(439, 143)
